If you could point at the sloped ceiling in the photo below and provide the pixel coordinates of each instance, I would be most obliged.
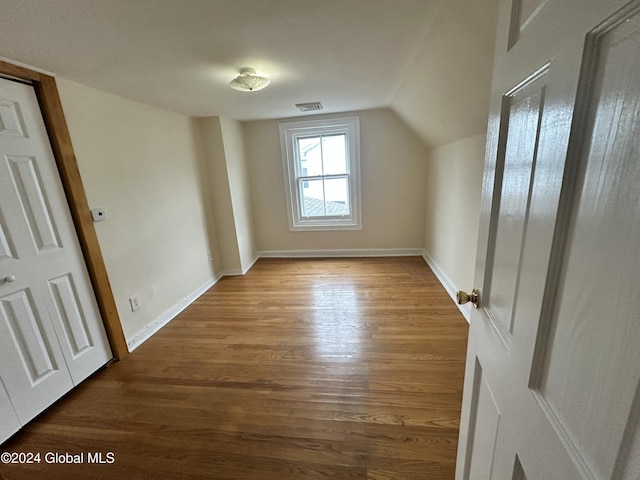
(427, 59)
(444, 95)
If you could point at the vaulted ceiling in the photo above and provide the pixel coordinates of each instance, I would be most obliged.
(429, 60)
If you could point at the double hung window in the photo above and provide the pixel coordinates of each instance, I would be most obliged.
(321, 165)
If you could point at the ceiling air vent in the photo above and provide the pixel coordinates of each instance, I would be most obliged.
(309, 107)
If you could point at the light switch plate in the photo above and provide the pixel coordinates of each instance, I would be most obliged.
(98, 214)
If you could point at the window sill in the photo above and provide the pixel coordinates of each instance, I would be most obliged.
(324, 226)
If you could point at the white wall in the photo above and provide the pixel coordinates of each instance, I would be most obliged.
(231, 196)
(221, 194)
(444, 94)
(454, 188)
(238, 175)
(146, 167)
(393, 166)
(444, 97)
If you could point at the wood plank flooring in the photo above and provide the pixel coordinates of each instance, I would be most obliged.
(301, 369)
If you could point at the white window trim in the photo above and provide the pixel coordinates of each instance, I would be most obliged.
(289, 133)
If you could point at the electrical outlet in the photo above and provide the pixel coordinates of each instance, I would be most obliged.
(135, 302)
(210, 256)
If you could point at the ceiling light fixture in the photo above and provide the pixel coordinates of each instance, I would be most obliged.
(248, 81)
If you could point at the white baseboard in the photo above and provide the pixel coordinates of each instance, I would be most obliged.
(447, 284)
(148, 331)
(356, 252)
(234, 272)
(253, 261)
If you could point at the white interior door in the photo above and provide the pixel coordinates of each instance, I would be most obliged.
(51, 332)
(9, 421)
(552, 384)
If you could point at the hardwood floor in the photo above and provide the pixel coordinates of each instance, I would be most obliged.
(301, 369)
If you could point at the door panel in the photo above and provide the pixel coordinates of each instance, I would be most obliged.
(69, 314)
(82, 338)
(523, 13)
(27, 183)
(25, 325)
(33, 368)
(517, 151)
(558, 267)
(591, 355)
(484, 427)
(11, 120)
(9, 422)
(6, 250)
(51, 332)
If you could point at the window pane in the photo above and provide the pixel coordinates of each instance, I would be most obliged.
(312, 198)
(309, 156)
(321, 161)
(336, 191)
(334, 154)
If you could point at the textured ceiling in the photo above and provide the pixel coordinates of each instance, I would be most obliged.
(181, 54)
(428, 60)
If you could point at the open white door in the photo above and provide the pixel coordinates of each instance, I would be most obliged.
(552, 384)
(51, 333)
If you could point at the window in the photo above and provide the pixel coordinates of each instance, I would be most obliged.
(322, 165)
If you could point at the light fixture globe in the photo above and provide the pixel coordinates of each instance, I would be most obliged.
(248, 81)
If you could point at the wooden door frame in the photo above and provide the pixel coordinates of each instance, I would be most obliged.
(60, 141)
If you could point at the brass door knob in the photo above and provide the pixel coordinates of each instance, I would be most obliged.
(464, 297)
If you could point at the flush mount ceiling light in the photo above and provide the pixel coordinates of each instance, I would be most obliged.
(248, 81)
